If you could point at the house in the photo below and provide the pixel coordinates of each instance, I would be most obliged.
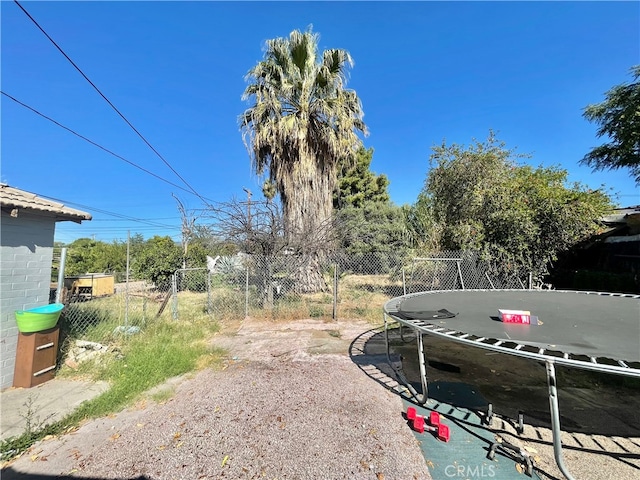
(623, 221)
(27, 228)
(609, 261)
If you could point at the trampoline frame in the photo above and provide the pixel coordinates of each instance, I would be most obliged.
(551, 358)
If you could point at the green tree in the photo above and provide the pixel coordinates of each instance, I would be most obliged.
(518, 216)
(158, 260)
(85, 255)
(618, 118)
(370, 228)
(357, 184)
(79, 257)
(196, 255)
(212, 242)
(301, 124)
(373, 236)
(423, 231)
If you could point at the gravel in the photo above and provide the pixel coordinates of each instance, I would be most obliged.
(291, 403)
(295, 416)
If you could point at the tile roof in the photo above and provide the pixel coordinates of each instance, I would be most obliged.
(11, 197)
(622, 215)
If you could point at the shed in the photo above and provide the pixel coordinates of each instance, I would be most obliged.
(27, 228)
(90, 285)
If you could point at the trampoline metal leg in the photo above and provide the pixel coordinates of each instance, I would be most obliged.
(555, 419)
(386, 336)
(420, 398)
(423, 369)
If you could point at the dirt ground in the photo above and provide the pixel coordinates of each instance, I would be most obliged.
(338, 372)
(289, 402)
(600, 416)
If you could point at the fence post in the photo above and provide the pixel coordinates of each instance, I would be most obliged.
(63, 260)
(246, 294)
(126, 298)
(174, 291)
(209, 292)
(530, 280)
(335, 292)
(144, 308)
(404, 284)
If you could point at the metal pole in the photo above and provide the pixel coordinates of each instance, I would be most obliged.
(209, 302)
(246, 295)
(335, 292)
(530, 280)
(460, 273)
(126, 287)
(248, 192)
(174, 291)
(423, 370)
(404, 284)
(422, 399)
(555, 419)
(521, 284)
(490, 282)
(63, 261)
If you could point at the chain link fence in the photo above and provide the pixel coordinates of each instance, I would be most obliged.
(345, 286)
(451, 270)
(348, 286)
(122, 311)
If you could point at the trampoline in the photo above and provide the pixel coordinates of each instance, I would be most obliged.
(588, 330)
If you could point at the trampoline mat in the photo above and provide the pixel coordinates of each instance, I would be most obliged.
(595, 325)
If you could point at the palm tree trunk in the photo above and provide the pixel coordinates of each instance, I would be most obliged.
(308, 276)
(307, 213)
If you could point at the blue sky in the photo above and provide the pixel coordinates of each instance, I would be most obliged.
(425, 72)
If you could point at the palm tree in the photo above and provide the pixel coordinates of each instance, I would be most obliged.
(301, 125)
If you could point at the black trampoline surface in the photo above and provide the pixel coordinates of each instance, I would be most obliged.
(579, 323)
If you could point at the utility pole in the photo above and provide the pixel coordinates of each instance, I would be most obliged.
(248, 207)
(188, 222)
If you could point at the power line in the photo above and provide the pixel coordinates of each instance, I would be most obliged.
(109, 102)
(106, 212)
(127, 227)
(117, 220)
(92, 142)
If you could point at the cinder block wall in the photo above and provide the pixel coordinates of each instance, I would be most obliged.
(26, 253)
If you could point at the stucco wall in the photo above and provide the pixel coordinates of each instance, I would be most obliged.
(26, 252)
